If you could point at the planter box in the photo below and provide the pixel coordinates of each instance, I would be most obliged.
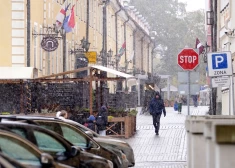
(122, 126)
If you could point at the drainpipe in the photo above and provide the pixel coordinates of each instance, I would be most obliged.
(64, 48)
(104, 49)
(125, 42)
(126, 65)
(88, 20)
(116, 27)
(148, 57)
(142, 52)
(28, 33)
(154, 46)
(134, 48)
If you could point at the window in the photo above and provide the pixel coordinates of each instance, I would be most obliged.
(72, 135)
(18, 150)
(48, 143)
(19, 131)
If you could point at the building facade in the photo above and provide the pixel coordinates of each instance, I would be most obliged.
(20, 44)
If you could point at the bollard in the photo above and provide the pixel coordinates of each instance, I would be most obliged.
(195, 142)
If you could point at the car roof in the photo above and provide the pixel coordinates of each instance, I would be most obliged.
(51, 133)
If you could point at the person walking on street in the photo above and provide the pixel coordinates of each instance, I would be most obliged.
(180, 101)
(156, 107)
(102, 120)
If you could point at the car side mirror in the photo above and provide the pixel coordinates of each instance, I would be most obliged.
(74, 151)
(46, 160)
(90, 134)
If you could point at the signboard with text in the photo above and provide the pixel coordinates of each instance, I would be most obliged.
(188, 59)
(223, 81)
(219, 64)
(92, 56)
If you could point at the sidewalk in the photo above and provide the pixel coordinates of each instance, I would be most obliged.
(168, 150)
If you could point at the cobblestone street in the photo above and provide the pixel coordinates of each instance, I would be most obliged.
(168, 150)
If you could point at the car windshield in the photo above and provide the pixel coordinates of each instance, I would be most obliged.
(18, 150)
(74, 136)
(48, 143)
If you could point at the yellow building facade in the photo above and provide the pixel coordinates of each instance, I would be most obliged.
(130, 29)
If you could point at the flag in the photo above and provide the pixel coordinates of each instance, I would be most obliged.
(72, 18)
(69, 22)
(130, 58)
(199, 46)
(122, 49)
(61, 15)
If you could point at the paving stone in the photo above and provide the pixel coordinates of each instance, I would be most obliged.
(168, 150)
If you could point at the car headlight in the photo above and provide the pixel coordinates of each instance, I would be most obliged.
(123, 156)
(110, 164)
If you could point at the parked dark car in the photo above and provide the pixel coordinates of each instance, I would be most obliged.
(23, 151)
(76, 136)
(7, 162)
(107, 141)
(52, 143)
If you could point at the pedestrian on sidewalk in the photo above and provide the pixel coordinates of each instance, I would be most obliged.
(180, 101)
(102, 120)
(91, 122)
(156, 107)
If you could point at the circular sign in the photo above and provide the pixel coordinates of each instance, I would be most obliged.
(49, 43)
(188, 59)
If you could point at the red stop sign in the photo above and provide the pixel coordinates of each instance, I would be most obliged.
(188, 59)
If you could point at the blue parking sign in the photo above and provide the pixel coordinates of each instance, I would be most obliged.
(219, 64)
(219, 61)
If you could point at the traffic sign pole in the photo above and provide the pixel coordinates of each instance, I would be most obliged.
(188, 97)
(188, 59)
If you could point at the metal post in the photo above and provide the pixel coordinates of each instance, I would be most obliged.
(28, 33)
(168, 88)
(232, 91)
(116, 29)
(188, 97)
(64, 47)
(91, 93)
(87, 20)
(139, 92)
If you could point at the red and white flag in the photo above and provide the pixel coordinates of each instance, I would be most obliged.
(199, 46)
(61, 15)
(72, 18)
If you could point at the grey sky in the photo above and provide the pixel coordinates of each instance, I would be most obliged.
(194, 4)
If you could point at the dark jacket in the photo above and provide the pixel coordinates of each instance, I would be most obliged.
(91, 125)
(103, 116)
(156, 106)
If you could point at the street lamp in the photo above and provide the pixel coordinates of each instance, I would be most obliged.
(109, 56)
(205, 51)
(85, 44)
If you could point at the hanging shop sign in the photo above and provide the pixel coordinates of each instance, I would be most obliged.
(92, 57)
(49, 43)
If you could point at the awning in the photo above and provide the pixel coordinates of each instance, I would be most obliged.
(18, 73)
(131, 80)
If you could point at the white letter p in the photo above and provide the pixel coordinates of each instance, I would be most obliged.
(218, 60)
